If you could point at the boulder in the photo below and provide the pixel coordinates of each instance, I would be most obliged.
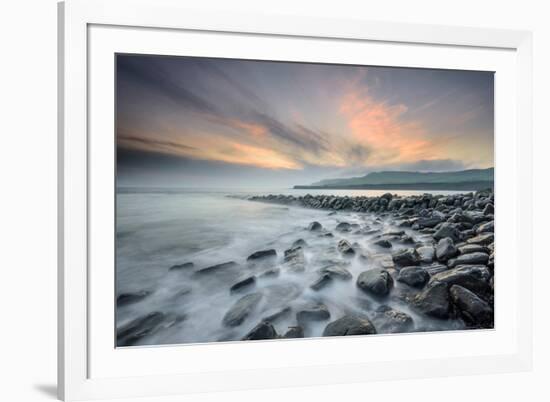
(336, 271)
(263, 330)
(433, 301)
(343, 227)
(375, 281)
(472, 248)
(447, 230)
(139, 328)
(486, 227)
(426, 254)
(277, 314)
(429, 222)
(262, 254)
(216, 268)
(473, 277)
(314, 226)
(315, 312)
(482, 239)
(445, 249)
(383, 243)
(473, 309)
(390, 321)
(125, 299)
(321, 282)
(349, 325)
(469, 259)
(435, 268)
(345, 248)
(299, 242)
(185, 265)
(406, 257)
(295, 259)
(489, 209)
(294, 332)
(413, 276)
(245, 283)
(241, 309)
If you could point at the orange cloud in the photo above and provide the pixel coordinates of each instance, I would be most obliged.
(379, 126)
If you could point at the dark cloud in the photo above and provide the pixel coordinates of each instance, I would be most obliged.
(153, 142)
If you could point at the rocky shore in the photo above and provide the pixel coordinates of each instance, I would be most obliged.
(407, 258)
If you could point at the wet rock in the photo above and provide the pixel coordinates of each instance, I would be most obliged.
(315, 312)
(486, 227)
(263, 330)
(314, 226)
(426, 254)
(383, 243)
(349, 325)
(433, 301)
(435, 268)
(375, 281)
(277, 315)
(336, 271)
(262, 254)
(472, 248)
(447, 230)
(406, 257)
(473, 309)
(489, 209)
(429, 222)
(139, 328)
(215, 268)
(383, 261)
(241, 309)
(482, 239)
(270, 273)
(300, 242)
(345, 248)
(390, 321)
(472, 277)
(294, 332)
(125, 299)
(445, 249)
(186, 265)
(343, 227)
(321, 282)
(469, 259)
(241, 285)
(413, 276)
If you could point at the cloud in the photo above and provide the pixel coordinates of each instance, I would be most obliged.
(153, 144)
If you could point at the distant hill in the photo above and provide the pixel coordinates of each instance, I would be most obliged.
(472, 179)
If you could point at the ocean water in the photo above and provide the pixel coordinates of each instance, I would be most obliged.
(159, 228)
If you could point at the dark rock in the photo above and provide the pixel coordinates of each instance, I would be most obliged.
(241, 309)
(270, 273)
(245, 283)
(139, 328)
(383, 243)
(426, 254)
(435, 268)
(406, 257)
(390, 321)
(321, 282)
(263, 330)
(186, 265)
(336, 271)
(294, 332)
(345, 248)
(315, 226)
(375, 281)
(447, 230)
(124, 299)
(445, 249)
(429, 222)
(433, 301)
(489, 209)
(472, 248)
(215, 268)
(469, 259)
(262, 254)
(483, 239)
(315, 312)
(295, 259)
(473, 309)
(486, 227)
(299, 242)
(413, 276)
(343, 227)
(277, 315)
(472, 277)
(349, 325)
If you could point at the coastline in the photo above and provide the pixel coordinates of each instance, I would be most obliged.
(458, 186)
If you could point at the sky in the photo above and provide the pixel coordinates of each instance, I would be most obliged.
(208, 122)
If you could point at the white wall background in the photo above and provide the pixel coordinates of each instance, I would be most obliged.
(28, 198)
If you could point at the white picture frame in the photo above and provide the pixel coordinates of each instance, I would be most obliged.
(89, 367)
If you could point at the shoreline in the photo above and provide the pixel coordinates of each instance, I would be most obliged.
(459, 186)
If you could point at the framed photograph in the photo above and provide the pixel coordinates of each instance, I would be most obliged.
(255, 201)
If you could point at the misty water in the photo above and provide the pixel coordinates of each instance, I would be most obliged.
(159, 228)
